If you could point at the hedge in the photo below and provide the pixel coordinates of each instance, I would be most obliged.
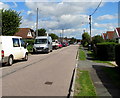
(117, 54)
(106, 51)
(30, 44)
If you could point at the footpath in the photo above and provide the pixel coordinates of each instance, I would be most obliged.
(102, 83)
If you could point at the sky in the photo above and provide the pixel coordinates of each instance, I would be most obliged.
(70, 15)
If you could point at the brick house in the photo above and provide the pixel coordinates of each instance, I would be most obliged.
(117, 34)
(25, 33)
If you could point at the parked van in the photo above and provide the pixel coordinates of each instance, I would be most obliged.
(42, 44)
(12, 48)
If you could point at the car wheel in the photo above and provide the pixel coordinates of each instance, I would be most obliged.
(26, 57)
(10, 60)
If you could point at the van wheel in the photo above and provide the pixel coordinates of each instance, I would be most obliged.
(26, 57)
(10, 60)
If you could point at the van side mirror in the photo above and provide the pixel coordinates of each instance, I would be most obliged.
(48, 42)
(26, 44)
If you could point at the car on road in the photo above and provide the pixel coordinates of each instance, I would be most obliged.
(12, 48)
(42, 44)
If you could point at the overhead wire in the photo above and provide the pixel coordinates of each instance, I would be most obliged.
(96, 8)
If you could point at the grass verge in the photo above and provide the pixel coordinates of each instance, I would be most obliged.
(114, 74)
(83, 84)
(82, 55)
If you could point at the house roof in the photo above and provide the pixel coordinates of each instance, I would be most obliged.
(23, 32)
(110, 34)
(118, 29)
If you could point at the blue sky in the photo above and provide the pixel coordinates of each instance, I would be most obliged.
(70, 16)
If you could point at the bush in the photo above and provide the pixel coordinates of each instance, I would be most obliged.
(30, 44)
(117, 54)
(106, 51)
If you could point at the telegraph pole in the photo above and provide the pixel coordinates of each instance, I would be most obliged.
(90, 27)
(37, 23)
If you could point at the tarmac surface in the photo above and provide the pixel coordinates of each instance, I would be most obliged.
(102, 83)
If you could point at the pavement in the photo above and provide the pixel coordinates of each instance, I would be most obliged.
(102, 83)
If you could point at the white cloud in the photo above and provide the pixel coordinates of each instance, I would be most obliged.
(106, 17)
(107, 26)
(3, 5)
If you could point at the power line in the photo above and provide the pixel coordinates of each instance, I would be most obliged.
(97, 8)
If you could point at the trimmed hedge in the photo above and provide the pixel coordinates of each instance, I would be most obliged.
(117, 54)
(106, 51)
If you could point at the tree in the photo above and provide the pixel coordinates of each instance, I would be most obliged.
(73, 40)
(53, 36)
(85, 39)
(42, 32)
(11, 20)
(97, 39)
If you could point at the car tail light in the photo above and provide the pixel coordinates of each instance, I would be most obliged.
(2, 53)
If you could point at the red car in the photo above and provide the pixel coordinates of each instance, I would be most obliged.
(60, 45)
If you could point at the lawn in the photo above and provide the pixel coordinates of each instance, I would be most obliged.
(84, 85)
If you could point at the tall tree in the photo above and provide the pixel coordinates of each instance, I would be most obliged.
(11, 20)
(85, 39)
(42, 32)
(53, 36)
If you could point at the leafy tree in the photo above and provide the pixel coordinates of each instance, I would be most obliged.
(42, 32)
(97, 39)
(10, 21)
(73, 40)
(85, 39)
(53, 36)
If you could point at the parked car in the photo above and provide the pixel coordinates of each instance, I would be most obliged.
(59, 45)
(12, 48)
(55, 44)
(42, 44)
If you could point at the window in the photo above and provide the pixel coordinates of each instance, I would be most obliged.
(22, 43)
(40, 41)
(16, 42)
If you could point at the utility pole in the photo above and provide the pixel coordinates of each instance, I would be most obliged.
(90, 27)
(37, 23)
(62, 34)
(90, 47)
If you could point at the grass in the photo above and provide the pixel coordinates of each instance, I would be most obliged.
(113, 74)
(82, 55)
(84, 85)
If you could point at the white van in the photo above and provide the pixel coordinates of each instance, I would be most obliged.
(42, 44)
(12, 48)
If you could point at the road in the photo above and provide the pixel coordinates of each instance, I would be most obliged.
(42, 75)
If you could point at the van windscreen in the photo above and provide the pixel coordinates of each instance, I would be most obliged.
(40, 41)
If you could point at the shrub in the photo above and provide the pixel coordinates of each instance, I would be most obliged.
(30, 44)
(106, 51)
(117, 54)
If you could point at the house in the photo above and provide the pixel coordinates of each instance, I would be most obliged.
(117, 34)
(26, 33)
(110, 35)
(104, 36)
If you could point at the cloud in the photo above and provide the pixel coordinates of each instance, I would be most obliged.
(107, 17)
(106, 26)
(3, 5)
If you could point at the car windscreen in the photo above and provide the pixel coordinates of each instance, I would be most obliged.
(40, 41)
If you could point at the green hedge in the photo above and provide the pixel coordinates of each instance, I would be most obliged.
(117, 54)
(30, 44)
(106, 51)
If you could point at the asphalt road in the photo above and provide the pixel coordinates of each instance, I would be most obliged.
(42, 75)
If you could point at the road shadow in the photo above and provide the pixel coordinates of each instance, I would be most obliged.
(106, 79)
